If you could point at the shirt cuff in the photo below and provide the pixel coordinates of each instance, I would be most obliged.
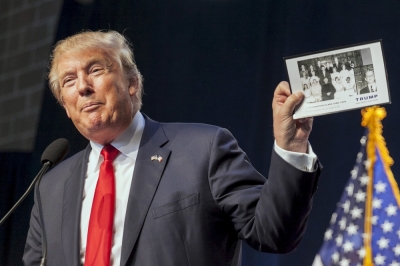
(302, 161)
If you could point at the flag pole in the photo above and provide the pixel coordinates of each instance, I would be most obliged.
(371, 119)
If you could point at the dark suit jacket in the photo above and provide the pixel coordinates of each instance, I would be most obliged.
(364, 90)
(322, 76)
(330, 70)
(327, 91)
(338, 66)
(350, 65)
(192, 208)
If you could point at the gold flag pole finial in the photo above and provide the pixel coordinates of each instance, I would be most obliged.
(371, 119)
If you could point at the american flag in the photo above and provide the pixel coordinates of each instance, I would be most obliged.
(365, 228)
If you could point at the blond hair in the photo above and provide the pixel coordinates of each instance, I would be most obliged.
(112, 43)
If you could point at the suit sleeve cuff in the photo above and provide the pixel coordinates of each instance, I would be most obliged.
(302, 161)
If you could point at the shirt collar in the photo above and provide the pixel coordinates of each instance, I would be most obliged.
(128, 141)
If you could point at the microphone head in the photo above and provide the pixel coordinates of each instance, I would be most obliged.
(55, 152)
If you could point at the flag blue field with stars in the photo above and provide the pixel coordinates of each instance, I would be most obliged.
(365, 228)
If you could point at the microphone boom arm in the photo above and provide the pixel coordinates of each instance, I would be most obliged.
(42, 171)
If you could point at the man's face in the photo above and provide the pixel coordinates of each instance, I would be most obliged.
(326, 80)
(370, 78)
(323, 68)
(95, 94)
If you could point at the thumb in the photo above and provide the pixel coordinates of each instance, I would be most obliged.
(291, 102)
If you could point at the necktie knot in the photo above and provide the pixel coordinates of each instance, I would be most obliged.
(109, 152)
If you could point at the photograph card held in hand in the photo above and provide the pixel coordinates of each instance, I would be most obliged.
(340, 79)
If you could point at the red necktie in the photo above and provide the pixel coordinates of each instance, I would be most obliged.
(99, 239)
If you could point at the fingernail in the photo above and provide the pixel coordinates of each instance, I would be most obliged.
(299, 93)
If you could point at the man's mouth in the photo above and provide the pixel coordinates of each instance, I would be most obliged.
(90, 106)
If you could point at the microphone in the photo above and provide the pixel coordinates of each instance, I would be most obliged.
(52, 155)
(55, 152)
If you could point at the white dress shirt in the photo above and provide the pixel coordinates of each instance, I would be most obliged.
(128, 145)
(302, 161)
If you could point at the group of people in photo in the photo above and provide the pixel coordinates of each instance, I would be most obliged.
(328, 80)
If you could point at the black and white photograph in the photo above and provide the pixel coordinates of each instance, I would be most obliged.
(339, 79)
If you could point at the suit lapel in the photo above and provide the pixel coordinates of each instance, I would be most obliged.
(72, 203)
(146, 176)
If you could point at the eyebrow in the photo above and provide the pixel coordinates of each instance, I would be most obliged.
(93, 60)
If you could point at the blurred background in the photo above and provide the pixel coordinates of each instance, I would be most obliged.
(208, 61)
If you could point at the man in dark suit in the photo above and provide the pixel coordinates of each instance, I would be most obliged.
(185, 194)
(349, 64)
(327, 91)
(328, 67)
(337, 65)
(371, 84)
(324, 74)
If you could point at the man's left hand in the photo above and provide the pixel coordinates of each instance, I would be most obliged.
(291, 135)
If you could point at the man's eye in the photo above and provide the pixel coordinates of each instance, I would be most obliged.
(96, 69)
(67, 82)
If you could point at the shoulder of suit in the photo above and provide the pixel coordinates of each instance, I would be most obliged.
(195, 131)
(190, 128)
(200, 136)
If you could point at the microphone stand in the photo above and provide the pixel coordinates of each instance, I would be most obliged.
(52, 155)
(42, 171)
(46, 166)
(35, 182)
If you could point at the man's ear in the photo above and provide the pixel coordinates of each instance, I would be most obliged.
(133, 88)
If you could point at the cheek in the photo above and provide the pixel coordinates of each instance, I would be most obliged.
(69, 103)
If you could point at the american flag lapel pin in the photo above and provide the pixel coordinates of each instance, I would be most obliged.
(156, 157)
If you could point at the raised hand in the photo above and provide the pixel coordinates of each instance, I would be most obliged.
(291, 135)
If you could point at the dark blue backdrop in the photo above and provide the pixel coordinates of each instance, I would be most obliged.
(218, 62)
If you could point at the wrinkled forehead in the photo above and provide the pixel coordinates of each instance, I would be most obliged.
(87, 54)
(74, 59)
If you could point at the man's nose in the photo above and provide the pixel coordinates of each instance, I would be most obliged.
(84, 86)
